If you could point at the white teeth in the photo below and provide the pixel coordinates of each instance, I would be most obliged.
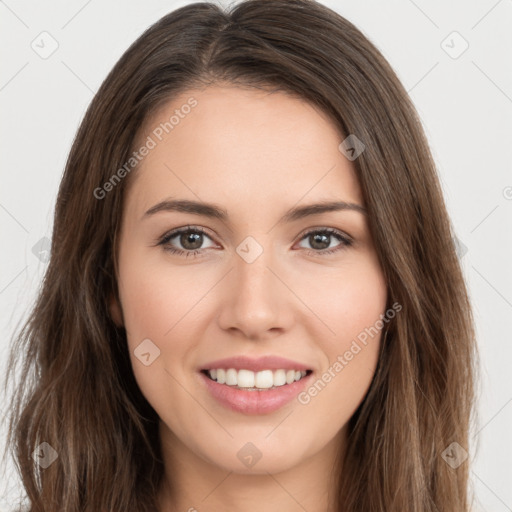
(279, 378)
(231, 377)
(221, 376)
(245, 379)
(264, 379)
(248, 379)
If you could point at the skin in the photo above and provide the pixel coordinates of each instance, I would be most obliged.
(256, 154)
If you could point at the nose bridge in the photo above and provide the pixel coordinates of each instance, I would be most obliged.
(255, 302)
(254, 279)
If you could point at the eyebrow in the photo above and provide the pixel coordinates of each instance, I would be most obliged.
(215, 212)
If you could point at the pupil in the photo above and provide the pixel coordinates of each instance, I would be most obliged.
(194, 238)
(320, 238)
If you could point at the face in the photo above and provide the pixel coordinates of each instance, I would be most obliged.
(279, 296)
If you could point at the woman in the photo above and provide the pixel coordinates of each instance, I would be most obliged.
(253, 298)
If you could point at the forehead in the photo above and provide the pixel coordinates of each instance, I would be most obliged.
(242, 147)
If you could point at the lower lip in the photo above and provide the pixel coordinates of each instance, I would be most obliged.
(255, 402)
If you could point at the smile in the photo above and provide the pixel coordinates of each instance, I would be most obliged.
(255, 381)
(252, 399)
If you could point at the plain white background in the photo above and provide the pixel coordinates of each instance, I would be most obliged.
(463, 95)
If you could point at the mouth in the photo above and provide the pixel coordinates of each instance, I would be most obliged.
(248, 380)
(248, 392)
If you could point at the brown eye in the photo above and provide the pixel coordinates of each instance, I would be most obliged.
(190, 239)
(320, 241)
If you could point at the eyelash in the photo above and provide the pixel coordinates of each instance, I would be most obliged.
(164, 241)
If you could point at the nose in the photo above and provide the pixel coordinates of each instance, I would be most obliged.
(258, 304)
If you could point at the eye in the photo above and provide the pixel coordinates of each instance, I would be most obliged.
(191, 240)
(320, 240)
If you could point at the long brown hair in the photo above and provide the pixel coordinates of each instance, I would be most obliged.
(77, 391)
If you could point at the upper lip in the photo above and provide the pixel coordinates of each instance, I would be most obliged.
(255, 364)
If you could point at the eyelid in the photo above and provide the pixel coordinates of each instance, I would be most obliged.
(325, 229)
(177, 231)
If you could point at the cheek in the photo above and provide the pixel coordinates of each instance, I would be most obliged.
(351, 303)
(154, 303)
(346, 300)
(363, 300)
(155, 297)
(351, 310)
